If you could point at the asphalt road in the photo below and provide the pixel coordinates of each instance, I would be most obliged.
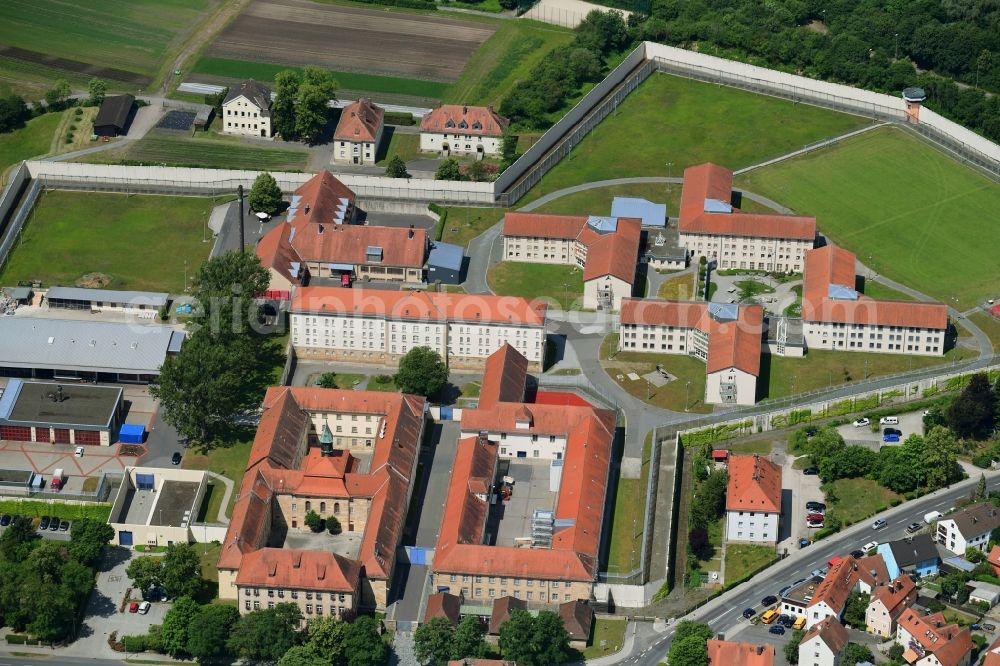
(724, 613)
(53, 660)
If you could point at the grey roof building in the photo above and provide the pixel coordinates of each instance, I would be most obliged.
(256, 93)
(444, 263)
(913, 550)
(58, 413)
(80, 298)
(100, 351)
(113, 116)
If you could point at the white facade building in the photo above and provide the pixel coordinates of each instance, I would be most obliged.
(247, 110)
(968, 528)
(454, 129)
(753, 500)
(358, 133)
(823, 644)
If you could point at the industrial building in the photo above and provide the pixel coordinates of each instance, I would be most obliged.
(60, 413)
(158, 507)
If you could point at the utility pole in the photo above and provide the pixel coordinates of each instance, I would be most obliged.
(895, 55)
(239, 192)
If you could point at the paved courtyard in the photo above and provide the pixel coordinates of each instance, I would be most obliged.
(531, 491)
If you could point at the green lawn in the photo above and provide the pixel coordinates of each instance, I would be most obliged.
(406, 146)
(470, 389)
(208, 555)
(871, 191)
(382, 383)
(208, 512)
(752, 288)
(857, 499)
(138, 36)
(343, 380)
(761, 447)
(597, 201)
(627, 526)
(677, 288)
(229, 461)
(261, 71)
(33, 140)
(990, 325)
(881, 292)
(35, 509)
(743, 559)
(687, 390)
(501, 61)
(818, 369)
(174, 149)
(685, 122)
(563, 284)
(611, 632)
(464, 223)
(140, 242)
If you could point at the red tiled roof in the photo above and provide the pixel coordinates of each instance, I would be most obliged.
(872, 570)
(502, 609)
(298, 570)
(831, 632)
(442, 604)
(466, 120)
(948, 642)
(731, 344)
(419, 305)
(729, 653)
(560, 398)
(831, 265)
(711, 181)
(992, 654)
(994, 558)
(897, 596)
(504, 378)
(754, 485)
(360, 121)
(546, 419)
(577, 617)
(837, 585)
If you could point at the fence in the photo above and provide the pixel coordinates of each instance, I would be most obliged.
(579, 383)
(106, 483)
(13, 230)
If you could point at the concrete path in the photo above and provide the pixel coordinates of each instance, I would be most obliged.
(228, 483)
(810, 148)
(481, 253)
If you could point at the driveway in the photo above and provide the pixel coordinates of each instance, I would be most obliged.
(796, 489)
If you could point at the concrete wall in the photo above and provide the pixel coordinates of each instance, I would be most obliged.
(11, 219)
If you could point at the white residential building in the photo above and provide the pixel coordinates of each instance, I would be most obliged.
(358, 133)
(968, 528)
(753, 500)
(247, 110)
(930, 640)
(887, 603)
(379, 326)
(822, 645)
(454, 129)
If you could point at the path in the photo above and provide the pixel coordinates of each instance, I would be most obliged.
(228, 483)
(202, 36)
(810, 148)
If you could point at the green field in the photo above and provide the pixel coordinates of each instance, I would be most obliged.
(563, 284)
(137, 36)
(140, 242)
(670, 119)
(990, 325)
(597, 201)
(881, 292)
(685, 393)
(36, 509)
(262, 71)
(627, 526)
(229, 461)
(172, 149)
(464, 224)
(909, 211)
(856, 499)
(32, 140)
(611, 632)
(744, 559)
(405, 146)
(677, 288)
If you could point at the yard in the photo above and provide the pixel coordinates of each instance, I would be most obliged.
(990, 325)
(140, 242)
(783, 376)
(688, 122)
(607, 636)
(679, 288)
(685, 393)
(343, 380)
(209, 559)
(853, 500)
(627, 524)
(597, 201)
(744, 559)
(382, 383)
(208, 512)
(33, 140)
(563, 284)
(870, 191)
(230, 461)
(404, 146)
(464, 224)
(879, 291)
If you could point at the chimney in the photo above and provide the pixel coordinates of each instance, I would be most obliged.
(409, 233)
(307, 209)
(874, 574)
(465, 110)
(321, 228)
(760, 649)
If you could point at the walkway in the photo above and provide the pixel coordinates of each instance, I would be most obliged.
(228, 483)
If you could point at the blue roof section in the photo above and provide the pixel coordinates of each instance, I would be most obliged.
(724, 311)
(603, 225)
(841, 293)
(959, 563)
(293, 207)
(176, 341)
(446, 255)
(9, 397)
(651, 214)
(716, 206)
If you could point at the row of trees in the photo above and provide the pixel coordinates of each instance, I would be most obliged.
(532, 640)
(301, 107)
(178, 571)
(15, 112)
(44, 584)
(708, 503)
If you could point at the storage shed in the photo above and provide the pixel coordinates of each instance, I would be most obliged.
(114, 115)
(444, 263)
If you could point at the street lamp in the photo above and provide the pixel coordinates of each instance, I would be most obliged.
(687, 395)
(669, 167)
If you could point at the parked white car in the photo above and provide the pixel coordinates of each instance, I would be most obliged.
(870, 546)
(78, 452)
(862, 422)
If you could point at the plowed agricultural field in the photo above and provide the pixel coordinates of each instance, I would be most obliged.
(351, 39)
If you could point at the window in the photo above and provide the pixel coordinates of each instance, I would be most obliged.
(309, 609)
(308, 506)
(322, 507)
(319, 609)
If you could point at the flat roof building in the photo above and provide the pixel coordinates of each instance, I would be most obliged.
(444, 263)
(60, 413)
(158, 507)
(99, 300)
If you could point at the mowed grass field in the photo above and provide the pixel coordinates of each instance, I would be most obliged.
(141, 242)
(33, 140)
(597, 201)
(136, 36)
(560, 283)
(909, 211)
(685, 122)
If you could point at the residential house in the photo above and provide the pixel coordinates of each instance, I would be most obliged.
(710, 226)
(968, 528)
(606, 248)
(442, 604)
(727, 337)
(358, 134)
(823, 643)
(730, 653)
(994, 559)
(578, 619)
(872, 573)
(984, 593)
(379, 326)
(753, 500)
(887, 603)
(916, 554)
(456, 129)
(836, 316)
(930, 641)
(246, 110)
(831, 595)
(501, 612)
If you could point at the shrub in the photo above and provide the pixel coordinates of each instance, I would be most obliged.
(314, 522)
(69, 139)
(17, 639)
(399, 118)
(134, 643)
(333, 525)
(78, 112)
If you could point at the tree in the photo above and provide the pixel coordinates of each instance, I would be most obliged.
(854, 653)
(792, 646)
(265, 195)
(58, 94)
(953, 585)
(88, 539)
(215, 100)
(209, 631)
(973, 412)
(448, 169)
(508, 149)
(689, 651)
(181, 572)
(267, 634)
(363, 644)
(432, 641)
(314, 522)
(311, 112)
(691, 628)
(145, 572)
(854, 612)
(97, 89)
(848, 463)
(421, 372)
(327, 636)
(286, 88)
(895, 653)
(13, 113)
(176, 624)
(980, 489)
(468, 639)
(551, 641)
(18, 539)
(224, 288)
(396, 168)
(305, 655)
(940, 458)
(700, 543)
(333, 525)
(327, 380)
(974, 555)
(516, 636)
(476, 172)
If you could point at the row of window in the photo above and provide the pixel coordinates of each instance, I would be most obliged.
(242, 114)
(241, 125)
(528, 582)
(529, 595)
(294, 594)
(336, 610)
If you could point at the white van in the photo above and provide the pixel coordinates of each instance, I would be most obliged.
(889, 420)
(932, 516)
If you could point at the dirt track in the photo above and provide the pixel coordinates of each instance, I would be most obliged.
(373, 41)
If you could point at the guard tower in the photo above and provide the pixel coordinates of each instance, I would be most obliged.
(914, 98)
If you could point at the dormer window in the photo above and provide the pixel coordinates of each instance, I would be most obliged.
(477, 125)
(450, 123)
(463, 125)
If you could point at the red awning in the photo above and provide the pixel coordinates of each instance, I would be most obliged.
(720, 454)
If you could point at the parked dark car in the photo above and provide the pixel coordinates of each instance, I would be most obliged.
(786, 621)
(777, 629)
(64, 526)
(769, 600)
(176, 458)
(749, 613)
(818, 507)
(914, 527)
(5, 520)
(811, 471)
(892, 431)
(43, 524)
(857, 554)
(54, 524)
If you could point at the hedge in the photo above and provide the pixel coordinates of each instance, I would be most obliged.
(135, 643)
(399, 118)
(716, 433)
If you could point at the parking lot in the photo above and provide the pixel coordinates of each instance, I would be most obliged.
(909, 423)
(760, 634)
(797, 489)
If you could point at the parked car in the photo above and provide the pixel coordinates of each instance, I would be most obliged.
(133, 607)
(814, 523)
(989, 627)
(931, 516)
(879, 524)
(176, 458)
(64, 526)
(5, 520)
(857, 554)
(769, 600)
(913, 527)
(890, 439)
(862, 422)
(144, 607)
(777, 629)
(870, 546)
(749, 613)
(892, 431)
(975, 627)
(816, 573)
(786, 621)
(818, 507)
(43, 524)
(804, 542)
(78, 452)
(811, 471)
(888, 420)
(816, 516)
(53, 524)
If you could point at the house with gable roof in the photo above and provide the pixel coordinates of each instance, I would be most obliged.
(929, 640)
(753, 500)
(456, 129)
(822, 645)
(247, 110)
(358, 133)
(968, 528)
(731, 653)
(887, 603)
